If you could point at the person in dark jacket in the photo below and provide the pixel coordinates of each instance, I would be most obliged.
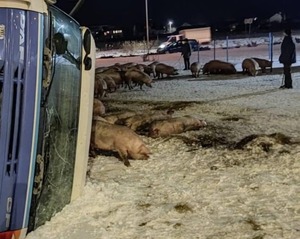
(186, 53)
(287, 58)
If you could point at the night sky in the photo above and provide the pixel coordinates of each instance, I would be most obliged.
(132, 12)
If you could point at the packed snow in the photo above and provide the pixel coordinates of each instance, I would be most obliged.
(238, 177)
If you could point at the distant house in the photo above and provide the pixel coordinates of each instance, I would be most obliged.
(106, 32)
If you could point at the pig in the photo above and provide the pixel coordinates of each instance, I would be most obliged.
(218, 67)
(111, 84)
(195, 69)
(161, 69)
(250, 67)
(116, 75)
(128, 65)
(101, 69)
(164, 128)
(118, 116)
(100, 87)
(153, 66)
(139, 121)
(263, 64)
(147, 69)
(120, 139)
(138, 77)
(98, 108)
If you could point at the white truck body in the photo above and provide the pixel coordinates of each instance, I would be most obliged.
(202, 35)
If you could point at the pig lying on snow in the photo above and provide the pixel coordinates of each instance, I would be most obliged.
(218, 67)
(118, 116)
(164, 128)
(118, 138)
(139, 121)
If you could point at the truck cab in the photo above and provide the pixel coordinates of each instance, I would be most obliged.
(47, 66)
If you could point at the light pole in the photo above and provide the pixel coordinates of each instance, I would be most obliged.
(147, 26)
(170, 25)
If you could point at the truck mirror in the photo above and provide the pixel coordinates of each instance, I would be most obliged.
(87, 41)
(87, 47)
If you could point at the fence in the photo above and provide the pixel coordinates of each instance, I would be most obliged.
(233, 49)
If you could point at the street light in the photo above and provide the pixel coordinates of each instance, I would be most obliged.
(170, 24)
(147, 26)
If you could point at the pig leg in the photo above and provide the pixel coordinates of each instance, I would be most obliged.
(141, 86)
(124, 158)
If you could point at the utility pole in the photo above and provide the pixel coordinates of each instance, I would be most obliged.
(147, 26)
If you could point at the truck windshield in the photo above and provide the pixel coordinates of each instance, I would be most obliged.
(61, 102)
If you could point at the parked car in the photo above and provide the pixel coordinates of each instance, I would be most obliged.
(176, 46)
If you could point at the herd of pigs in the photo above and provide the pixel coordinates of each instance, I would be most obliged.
(121, 131)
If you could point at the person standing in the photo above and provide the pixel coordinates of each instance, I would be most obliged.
(287, 58)
(186, 53)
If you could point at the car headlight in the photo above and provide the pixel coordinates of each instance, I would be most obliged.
(162, 46)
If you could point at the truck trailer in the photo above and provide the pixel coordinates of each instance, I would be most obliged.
(202, 35)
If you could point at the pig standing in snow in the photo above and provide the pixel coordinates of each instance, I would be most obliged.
(120, 139)
(147, 69)
(164, 128)
(116, 75)
(162, 69)
(138, 77)
(263, 64)
(153, 66)
(111, 84)
(195, 69)
(100, 87)
(250, 66)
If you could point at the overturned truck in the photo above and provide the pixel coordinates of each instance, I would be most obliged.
(46, 100)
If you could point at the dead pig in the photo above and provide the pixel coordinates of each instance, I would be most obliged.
(164, 128)
(118, 138)
(141, 121)
(114, 117)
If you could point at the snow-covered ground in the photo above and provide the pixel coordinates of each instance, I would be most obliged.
(199, 185)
